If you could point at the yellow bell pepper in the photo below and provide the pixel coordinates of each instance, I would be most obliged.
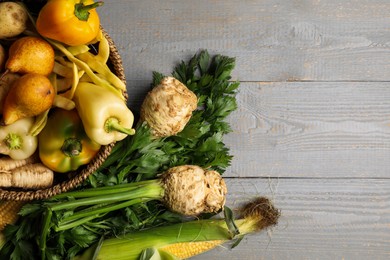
(73, 22)
(105, 116)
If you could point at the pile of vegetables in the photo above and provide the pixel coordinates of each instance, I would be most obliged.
(160, 189)
(59, 98)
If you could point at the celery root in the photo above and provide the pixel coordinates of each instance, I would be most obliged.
(188, 190)
(168, 107)
(191, 190)
(202, 191)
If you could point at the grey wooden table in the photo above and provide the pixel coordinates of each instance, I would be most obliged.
(312, 129)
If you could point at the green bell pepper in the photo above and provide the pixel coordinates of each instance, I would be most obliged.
(63, 144)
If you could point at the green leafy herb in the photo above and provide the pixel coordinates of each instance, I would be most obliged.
(200, 143)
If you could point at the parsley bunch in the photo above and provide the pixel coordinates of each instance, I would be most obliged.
(201, 141)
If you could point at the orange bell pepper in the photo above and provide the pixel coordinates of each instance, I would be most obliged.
(73, 22)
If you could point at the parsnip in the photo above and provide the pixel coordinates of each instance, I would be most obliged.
(7, 164)
(30, 176)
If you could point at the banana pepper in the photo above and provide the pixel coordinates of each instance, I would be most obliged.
(73, 22)
(105, 116)
(15, 140)
(63, 143)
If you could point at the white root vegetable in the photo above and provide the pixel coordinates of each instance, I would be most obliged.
(7, 163)
(30, 176)
(191, 190)
(168, 107)
(13, 19)
(188, 190)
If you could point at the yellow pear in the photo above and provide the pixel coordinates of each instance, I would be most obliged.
(5, 85)
(29, 96)
(30, 54)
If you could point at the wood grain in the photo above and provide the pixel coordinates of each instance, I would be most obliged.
(320, 219)
(272, 40)
(311, 129)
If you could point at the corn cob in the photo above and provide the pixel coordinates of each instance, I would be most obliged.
(189, 249)
(9, 212)
(256, 216)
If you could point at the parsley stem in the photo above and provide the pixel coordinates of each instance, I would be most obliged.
(153, 188)
(104, 190)
(82, 217)
(45, 230)
(76, 223)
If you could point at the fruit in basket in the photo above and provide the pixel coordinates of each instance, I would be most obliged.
(2, 57)
(13, 19)
(30, 95)
(5, 85)
(63, 144)
(30, 54)
(73, 22)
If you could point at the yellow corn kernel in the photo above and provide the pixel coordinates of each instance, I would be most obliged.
(9, 212)
(189, 249)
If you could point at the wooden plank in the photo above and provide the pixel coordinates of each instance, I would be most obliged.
(273, 40)
(320, 219)
(311, 130)
(306, 129)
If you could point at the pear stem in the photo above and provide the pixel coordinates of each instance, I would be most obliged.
(3, 74)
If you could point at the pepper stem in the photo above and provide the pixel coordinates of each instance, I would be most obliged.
(71, 147)
(13, 141)
(81, 11)
(112, 124)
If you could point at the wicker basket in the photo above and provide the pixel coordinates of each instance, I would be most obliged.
(78, 177)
